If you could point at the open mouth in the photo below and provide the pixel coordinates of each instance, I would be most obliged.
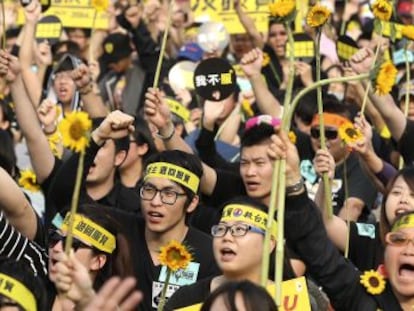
(227, 254)
(406, 270)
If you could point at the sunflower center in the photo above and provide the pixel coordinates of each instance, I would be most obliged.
(76, 130)
(319, 17)
(173, 255)
(350, 132)
(373, 281)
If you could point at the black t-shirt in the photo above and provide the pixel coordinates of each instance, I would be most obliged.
(189, 295)
(149, 276)
(405, 144)
(365, 248)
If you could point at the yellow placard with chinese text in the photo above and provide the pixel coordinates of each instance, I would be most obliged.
(74, 13)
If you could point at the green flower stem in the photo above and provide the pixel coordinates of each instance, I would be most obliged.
(3, 17)
(95, 13)
(346, 253)
(163, 45)
(364, 101)
(161, 303)
(74, 204)
(343, 23)
(407, 94)
(313, 86)
(325, 178)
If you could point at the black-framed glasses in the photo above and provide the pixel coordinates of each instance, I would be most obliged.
(329, 133)
(236, 230)
(54, 237)
(168, 196)
(398, 239)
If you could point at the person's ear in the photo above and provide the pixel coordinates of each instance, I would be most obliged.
(193, 204)
(98, 261)
(120, 157)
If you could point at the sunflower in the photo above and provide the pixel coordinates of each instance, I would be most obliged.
(266, 60)
(292, 137)
(373, 281)
(317, 16)
(349, 134)
(28, 181)
(382, 9)
(100, 5)
(175, 256)
(385, 78)
(282, 8)
(247, 108)
(408, 31)
(75, 129)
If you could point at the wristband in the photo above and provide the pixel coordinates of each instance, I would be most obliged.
(295, 187)
(169, 136)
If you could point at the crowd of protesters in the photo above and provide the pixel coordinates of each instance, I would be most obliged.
(163, 163)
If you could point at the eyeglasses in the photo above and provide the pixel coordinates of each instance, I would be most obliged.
(236, 230)
(168, 196)
(329, 133)
(54, 238)
(398, 239)
(6, 302)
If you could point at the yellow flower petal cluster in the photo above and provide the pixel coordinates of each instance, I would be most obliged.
(266, 60)
(382, 9)
(247, 108)
(282, 8)
(317, 16)
(349, 134)
(175, 256)
(292, 137)
(408, 31)
(28, 181)
(385, 78)
(100, 5)
(75, 128)
(373, 281)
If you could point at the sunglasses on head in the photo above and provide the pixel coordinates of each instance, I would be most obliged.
(55, 237)
(329, 133)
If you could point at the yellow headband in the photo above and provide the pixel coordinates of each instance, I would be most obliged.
(178, 109)
(173, 172)
(244, 213)
(330, 119)
(406, 221)
(90, 232)
(16, 291)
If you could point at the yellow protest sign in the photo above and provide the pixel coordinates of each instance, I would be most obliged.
(74, 13)
(295, 296)
(223, 11)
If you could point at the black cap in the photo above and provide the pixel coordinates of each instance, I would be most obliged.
(116, 46)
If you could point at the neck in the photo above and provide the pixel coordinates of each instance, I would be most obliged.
(406, 303)
(98, 190)
(131, 175)
(155, 240)
(252, 275)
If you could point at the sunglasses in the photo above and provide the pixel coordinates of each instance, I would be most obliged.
(55, 237)
(329, 133)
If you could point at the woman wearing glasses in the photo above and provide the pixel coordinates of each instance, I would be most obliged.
(238, 247)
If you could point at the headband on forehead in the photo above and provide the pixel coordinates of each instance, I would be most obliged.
(247, 214)
(330, 119)
(406, 221)
(264, 118)
(88, 231)
(16, 291)
(173, 172)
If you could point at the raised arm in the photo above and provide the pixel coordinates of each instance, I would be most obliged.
(26, 56)
(157, 112)
(41, 156)
(251, 63)
(361, 62)
(248, 25)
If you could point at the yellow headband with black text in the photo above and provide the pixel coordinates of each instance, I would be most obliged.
(406, 221)
(249, 215)
(173, 172)
(178, 109)
(90, 232)
(16, 291)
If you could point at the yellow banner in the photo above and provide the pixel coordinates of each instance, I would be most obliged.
(295, 296)
(223, 11)
(74, 13)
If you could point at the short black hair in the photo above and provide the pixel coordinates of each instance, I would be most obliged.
(256, 135)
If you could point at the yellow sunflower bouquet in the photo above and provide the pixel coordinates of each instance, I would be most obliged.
(174, 256)
(28, 181)
(383, 77)
(282, 11)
